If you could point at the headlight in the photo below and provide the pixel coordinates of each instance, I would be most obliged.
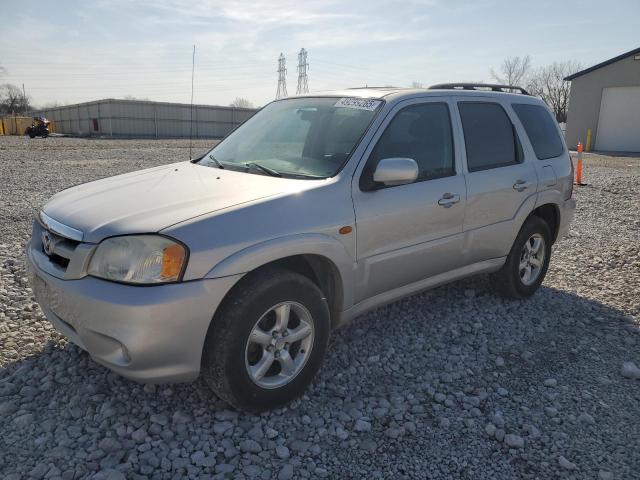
(139, 259)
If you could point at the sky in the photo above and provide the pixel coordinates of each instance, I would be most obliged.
(67, 51)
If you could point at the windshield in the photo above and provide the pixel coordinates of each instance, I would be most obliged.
(298, 137)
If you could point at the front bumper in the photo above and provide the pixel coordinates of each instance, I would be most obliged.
(150, 334)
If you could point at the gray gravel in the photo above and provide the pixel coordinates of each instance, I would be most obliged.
(451, 383)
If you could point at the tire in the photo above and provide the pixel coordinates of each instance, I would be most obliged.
(32, 134)
(253, 307)
(511, 280)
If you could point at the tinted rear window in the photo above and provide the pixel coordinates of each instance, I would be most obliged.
(488, 136)
(541, 130)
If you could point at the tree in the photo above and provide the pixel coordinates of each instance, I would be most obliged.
(240, 102)
(549, 84)
(415, 84)
(12, 100)
(513, 71)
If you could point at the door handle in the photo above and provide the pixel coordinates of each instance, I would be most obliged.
(448, 199)
(521, 185)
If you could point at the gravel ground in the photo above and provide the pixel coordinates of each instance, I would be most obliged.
(451, 383)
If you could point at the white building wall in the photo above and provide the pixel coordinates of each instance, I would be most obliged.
(145, 119)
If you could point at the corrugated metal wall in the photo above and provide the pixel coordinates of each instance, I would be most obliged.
(135, 118)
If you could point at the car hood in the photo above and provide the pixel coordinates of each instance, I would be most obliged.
(153, 199)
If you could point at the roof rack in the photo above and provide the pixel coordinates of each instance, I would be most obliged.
(480, 87)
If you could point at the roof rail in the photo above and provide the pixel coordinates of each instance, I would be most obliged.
(479, 86)
(367, 87)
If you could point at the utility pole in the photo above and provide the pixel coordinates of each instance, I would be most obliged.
(282, 78)
(303, 80)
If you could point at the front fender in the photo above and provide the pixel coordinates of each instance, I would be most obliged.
(262, 253)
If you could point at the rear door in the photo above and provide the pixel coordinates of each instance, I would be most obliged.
(407, 233)
(543, 141)
(500, 179)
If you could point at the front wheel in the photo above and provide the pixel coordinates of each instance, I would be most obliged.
(528, 261)
(267, 341)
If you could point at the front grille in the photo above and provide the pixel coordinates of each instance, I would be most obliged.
(60, 249)
(64, 258)
(58, 260)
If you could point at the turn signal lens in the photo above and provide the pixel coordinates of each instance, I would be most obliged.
(172, 261)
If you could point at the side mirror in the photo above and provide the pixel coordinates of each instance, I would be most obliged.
(396, 171)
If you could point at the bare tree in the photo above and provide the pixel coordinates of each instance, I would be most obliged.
(12, 100)
(548, 83)
(240, 102)
(3, 71)
(513, 71)
(415, 84)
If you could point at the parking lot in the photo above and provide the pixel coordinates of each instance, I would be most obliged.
(451, 383)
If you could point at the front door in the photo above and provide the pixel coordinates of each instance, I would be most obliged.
(407, 233)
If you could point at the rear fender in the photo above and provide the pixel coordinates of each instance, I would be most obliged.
(554, 197)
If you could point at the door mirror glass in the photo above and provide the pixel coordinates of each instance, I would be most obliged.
(396, 171)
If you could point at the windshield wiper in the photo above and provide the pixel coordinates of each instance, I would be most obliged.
(306, 175)
(267, 170)
(217, 162)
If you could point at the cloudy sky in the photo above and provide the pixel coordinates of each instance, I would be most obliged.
(72, 51)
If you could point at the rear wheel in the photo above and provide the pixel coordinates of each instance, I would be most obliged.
(528, 261)
(267, 341)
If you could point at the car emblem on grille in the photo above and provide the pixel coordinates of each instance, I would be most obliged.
(48, 243)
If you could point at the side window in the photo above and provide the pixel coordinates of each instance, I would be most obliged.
(489, 136)
(421, 132)
(541, 130)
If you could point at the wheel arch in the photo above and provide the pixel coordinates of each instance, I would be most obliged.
(320, 258)
(550, 213)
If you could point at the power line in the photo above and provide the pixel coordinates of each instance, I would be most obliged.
(303, 80)
(282, 78)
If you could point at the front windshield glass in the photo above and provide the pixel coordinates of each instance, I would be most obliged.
(298, 137)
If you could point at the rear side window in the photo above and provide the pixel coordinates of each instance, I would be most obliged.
(489, 136)
(541, 130)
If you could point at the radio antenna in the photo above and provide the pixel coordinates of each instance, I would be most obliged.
(193, 64)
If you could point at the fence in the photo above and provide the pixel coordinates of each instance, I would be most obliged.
(15, 125)
(145, 119)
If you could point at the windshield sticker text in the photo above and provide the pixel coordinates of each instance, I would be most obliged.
(358, 103)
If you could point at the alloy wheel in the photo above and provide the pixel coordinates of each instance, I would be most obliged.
(279, 345)
(532, 259)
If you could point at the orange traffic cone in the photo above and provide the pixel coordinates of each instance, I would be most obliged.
(579, 166)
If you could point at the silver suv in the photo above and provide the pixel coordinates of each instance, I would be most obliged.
(239, 264)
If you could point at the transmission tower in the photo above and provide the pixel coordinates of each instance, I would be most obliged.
(282, 78)
(303, 80)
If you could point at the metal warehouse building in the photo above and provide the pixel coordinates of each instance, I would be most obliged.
(605, 98)
(136, 118)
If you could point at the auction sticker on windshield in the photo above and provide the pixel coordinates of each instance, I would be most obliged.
(359, 103)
